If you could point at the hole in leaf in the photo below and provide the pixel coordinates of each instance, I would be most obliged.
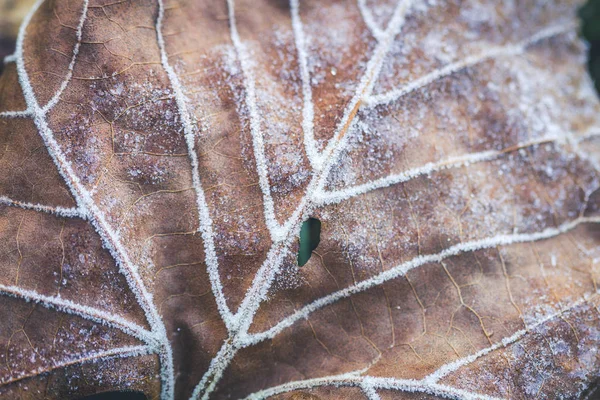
(590, 29)
(116, 396)
(310, 236)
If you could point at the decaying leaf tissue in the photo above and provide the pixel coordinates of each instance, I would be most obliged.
(160, 158)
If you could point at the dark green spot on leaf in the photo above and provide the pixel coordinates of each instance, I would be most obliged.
(310, 236)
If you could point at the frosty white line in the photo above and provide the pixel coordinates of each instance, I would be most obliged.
(369, 391)
(369, 20)
(430, 382)
(351, 380)
(502, 51)
(264, 276)
(402, 269)
(282, 237)
(204, 219)
(310, 146)
(86, 203)
(337, 196)
(590, 134)
(367, 81)
(215, 370)
(86, 312)
(120, 352)
(255, 125)
(58, 211)
(16, 114)
(454, 366)
(575, 141)
(54, 100)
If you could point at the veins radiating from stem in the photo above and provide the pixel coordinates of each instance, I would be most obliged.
(86, 312)
(314, 196)
(430, 384)
(338, 196)
(285, 234)
(58, 211)
(403, 268)
(204, 219)
(281, 235)
(86, 203)
(489, 54)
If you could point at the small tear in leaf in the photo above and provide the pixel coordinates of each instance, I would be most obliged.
(116, 396)
(310, 236)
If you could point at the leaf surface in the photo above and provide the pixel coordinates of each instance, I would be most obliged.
(159, 159)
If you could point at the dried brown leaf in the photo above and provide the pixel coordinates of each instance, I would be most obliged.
(159, 157)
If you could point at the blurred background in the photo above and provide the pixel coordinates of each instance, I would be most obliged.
(590, 30)
(11, 15)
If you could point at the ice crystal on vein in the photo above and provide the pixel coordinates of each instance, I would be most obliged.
(255, 125)
(119, 352)
(58, 211)
(281, 234)
(308, 107)
(403, 268)
(11, 58)
(429, 384)
(54, 100)
(337, 196)
(204, 218)
(16, 114)
(502, 51)
(369, 19)
(82, 311)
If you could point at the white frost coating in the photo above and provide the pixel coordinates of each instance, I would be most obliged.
(429, 384)
(312, 151)
(333, 197)
(351, 380)
(282, 236)
(204, 219)
(58, 211)
(16, 114)
(592, 133)
(454, 366)
(402, 269)
(69, 75)
(83, 311)
(255, 128)
(264, 278)
(369, 391)
(244, 319)
(265, 275)
(119, 352)
(367, 82)
(502, 51)
(215, 371)
(576, 141)
(86, 203)
(369, 20)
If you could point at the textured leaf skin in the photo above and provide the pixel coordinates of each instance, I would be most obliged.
(158, 159)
